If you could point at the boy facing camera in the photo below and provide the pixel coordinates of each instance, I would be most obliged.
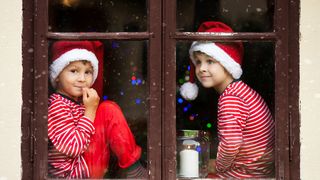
(82, 133)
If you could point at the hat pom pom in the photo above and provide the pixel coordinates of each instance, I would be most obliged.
(189, 91)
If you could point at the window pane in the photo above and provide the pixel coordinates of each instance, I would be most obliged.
(200, 114)
(125, 83)
(97, 16)
(241, 15)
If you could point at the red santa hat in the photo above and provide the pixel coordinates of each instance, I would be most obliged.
(229, 55)
(64, 52)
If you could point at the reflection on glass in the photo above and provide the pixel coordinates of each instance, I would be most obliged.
(241, 15)
(201, 113)
(97, 16)
(124, 82)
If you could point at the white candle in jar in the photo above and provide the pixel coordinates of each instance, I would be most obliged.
(189, 163)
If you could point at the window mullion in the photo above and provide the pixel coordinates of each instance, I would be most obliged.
(225, 36)
(101, 36)
(40, 90)
(169, 90)
(154, 76)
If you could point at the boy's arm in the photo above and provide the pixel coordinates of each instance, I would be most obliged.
(232, 113)
(67, 137)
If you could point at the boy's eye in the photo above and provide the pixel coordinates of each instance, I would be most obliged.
(197, 62)
(88, 72)
(73, 70)
(210, 61)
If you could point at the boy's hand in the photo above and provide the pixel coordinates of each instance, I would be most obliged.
(90, 100)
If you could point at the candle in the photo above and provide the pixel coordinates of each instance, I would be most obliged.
(189, 162)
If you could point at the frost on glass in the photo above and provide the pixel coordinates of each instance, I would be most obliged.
(241, 15)
(97, 15)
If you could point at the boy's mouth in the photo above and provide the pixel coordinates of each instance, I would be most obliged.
(79, 87)
(204, 77)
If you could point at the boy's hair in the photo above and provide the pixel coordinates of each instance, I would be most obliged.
(196, 53)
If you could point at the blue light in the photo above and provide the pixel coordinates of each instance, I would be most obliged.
(115, 45)
(180, 100)
(198, 148)
(139, 81)
(138, 101)
(189, 68)
(185, 109)
(133, 82)
(105, 97)
(189, 106)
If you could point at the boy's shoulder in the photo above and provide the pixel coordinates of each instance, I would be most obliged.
(238, 89)
(56, 98)
(235, 89)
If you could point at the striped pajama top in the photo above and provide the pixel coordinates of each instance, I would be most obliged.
(69, 133)
(246, 134)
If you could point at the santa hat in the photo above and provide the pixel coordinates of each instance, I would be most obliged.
(65, 52)
(229, 55)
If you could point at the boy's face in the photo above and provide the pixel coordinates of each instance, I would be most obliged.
(211, 73)
(73, 78)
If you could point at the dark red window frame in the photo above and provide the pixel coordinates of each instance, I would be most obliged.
(162, 37)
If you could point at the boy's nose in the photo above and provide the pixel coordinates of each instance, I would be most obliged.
(81, 77)
(203, 67)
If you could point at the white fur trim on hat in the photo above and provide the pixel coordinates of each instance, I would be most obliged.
(220, 55)
(189, 91)
(73, 55)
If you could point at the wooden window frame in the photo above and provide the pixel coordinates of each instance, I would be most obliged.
(162, 37)
(287, 120)
(35, 84)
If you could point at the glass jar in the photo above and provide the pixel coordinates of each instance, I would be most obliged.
(193, 153)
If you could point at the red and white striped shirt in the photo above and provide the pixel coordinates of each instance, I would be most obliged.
(246, 134)
(69, 132)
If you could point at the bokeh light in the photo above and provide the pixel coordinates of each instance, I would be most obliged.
(185, 109)
(209, 125)
(138, 101)
(198, 148)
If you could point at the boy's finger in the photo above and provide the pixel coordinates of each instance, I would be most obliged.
(89, 93)
(94, 92)
(85, 93)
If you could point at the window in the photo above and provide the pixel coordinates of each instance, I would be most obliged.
(159, 33)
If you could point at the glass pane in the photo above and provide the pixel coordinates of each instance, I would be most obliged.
(97, 16)
(125, 82)
(197, 120)
(122, 88)
(241, 15)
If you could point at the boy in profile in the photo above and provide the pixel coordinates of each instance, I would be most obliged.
(245, 125)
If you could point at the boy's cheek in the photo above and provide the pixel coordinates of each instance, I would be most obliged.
(198, 77)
